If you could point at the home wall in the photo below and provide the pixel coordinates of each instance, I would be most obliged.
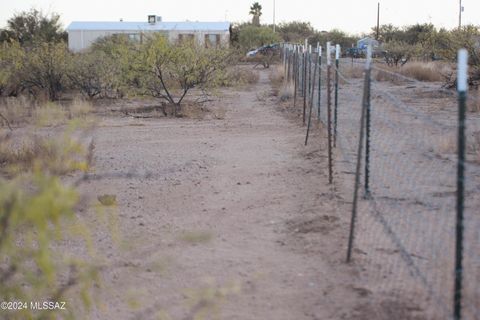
(79, 40)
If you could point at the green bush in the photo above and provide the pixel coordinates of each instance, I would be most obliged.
(169, 72)
(11, 61)
(95, 74)
(45, 68)
(250, 37)
(36, 214)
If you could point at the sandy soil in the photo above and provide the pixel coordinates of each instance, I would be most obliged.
(230, 216)
(227, 215)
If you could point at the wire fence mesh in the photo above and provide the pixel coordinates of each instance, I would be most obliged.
(406, 225)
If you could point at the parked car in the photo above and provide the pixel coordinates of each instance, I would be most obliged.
(263, 50)
(355, 53)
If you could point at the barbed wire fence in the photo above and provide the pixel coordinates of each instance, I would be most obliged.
(396, 146)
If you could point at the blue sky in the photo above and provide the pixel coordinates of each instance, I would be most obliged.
(353, 16)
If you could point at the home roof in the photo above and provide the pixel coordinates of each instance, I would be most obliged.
(145, 26)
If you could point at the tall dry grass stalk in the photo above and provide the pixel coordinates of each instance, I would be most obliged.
(22, 111)
(354, 71)
(239, 76)
(428, 72)
(16, 111)
(421, 71)
(80, 109)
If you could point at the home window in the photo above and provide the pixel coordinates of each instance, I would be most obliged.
(186, 37)
(212, 40)
(134, 37)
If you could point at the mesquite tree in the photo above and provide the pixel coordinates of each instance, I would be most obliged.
(169, 71)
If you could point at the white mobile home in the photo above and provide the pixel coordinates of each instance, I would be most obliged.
(82, 34)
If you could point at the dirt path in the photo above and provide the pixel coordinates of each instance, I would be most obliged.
(232, 217)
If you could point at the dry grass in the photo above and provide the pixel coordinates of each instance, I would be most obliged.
(277, 76)
(22, 111)
(17, 111)
(448, 145)
(59, 156)
(421, 71)
(50, 114)
(428, 72)
(80, 109)
(353, 71)
(474, 104)
(473, 146)
(380, 75)
(287, 92)
(279, 87)
(239, 76)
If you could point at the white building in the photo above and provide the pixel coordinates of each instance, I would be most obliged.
(82, 34)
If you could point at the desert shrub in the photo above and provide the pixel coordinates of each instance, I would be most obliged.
(11, 61)
(295, 31)
(250, 37)
(399, 53)
(94, 73)
(169, 72)
(463, 38)
(237, 76)
(37, 213)
(28, 27)
(31, 222)
(56, 156)
(118, 74)
(45, 69)
(335, 36)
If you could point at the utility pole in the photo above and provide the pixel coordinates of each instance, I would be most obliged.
(273, 16)
(460, 16)
(378, 21)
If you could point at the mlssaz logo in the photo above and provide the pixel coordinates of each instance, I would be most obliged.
(47, 305)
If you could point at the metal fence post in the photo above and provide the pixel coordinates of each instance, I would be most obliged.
(304, 88)
(337, 58)
(329, 113)
(365, 103)
(309, 71)
(462, 87)
(295, 75)
(367, 143)
(319, 79)
(312, 91)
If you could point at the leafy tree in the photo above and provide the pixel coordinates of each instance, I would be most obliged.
(397, 52)
(335, 36)
(33, 26)
(467, 37)
(296, 31)
(104, 70)
(45, 68)
(418, 33)
(387, 33)
(118, 52)
(169, 72)
(252, 37)
(11, 61)
(256, 12)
